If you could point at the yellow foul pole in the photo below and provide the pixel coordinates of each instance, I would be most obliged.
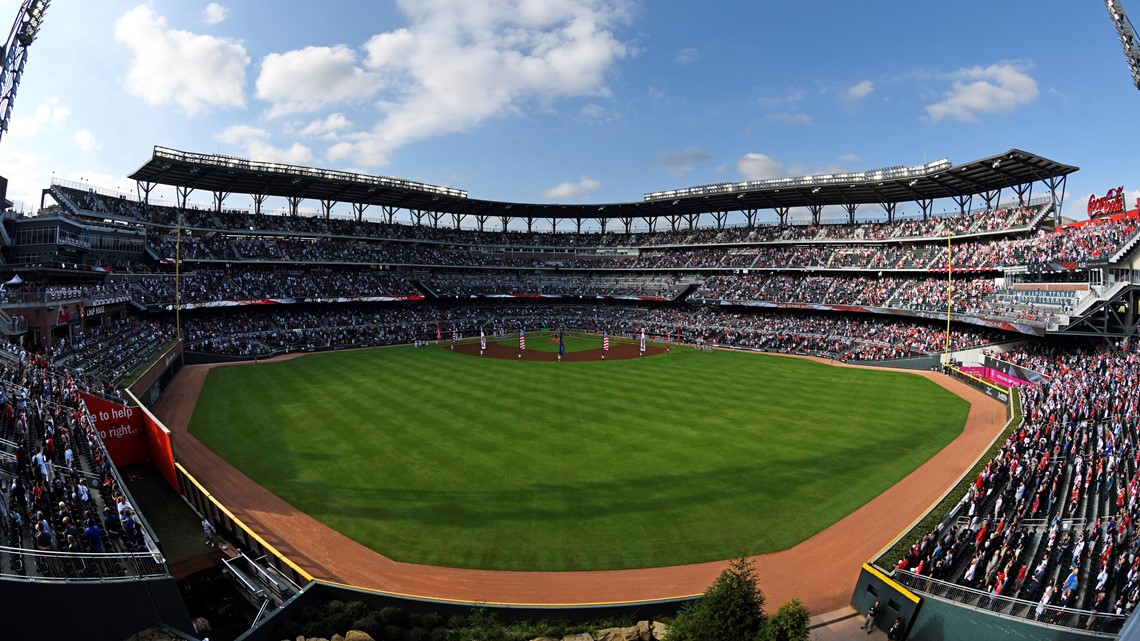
(177, 265)
(949, 291)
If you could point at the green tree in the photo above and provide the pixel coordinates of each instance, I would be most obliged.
(790, 623)
(732, 608)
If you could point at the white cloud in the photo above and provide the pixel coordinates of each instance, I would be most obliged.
(85, 140)
(327, 127)
(687, 55)
(569, 190)
(255, 143)
(214, 13)
(754, 166)
(848, 158)
(172, 66)
(791, 118)
(460, 63)
(45, 113)
(859, 91)
(679, 163)
(306, 80)
(998, 88)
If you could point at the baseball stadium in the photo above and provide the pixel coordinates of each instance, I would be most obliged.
(906, 396)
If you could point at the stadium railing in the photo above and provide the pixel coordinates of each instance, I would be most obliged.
(39, 566)
(233, 529)
(1098, 622)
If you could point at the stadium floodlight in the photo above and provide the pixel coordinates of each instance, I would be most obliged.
(1127, 37)
(15, 54)
(874, 176)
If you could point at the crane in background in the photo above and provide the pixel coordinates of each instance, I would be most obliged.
(15, 55)
(1127, 38)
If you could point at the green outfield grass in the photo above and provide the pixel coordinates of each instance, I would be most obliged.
(434, 457)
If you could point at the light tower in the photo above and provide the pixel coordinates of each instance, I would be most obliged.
(24, 31)
(1127, 38)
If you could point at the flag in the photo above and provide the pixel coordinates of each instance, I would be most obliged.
(605, 340)
(643, 340)
(482, 339)
(678, 335)
(561, 345)
(438, 332)
(522, 340)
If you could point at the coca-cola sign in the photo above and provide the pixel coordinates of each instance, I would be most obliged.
(1110, 203)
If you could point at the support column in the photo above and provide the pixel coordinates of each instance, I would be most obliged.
(673, 220)
(326, 208)
(927, 205)
(258, 202)
(294, 204)
(964, 203)
(389, 213)
(891, 208)
(692, 219)
(183, 194)
(578, 226)
(1059, 203)
(219, 200)
(782, 214)
(720, 217)
(143, 188)
(504, 219)
(435, 216)
(992, 197)
(816, 211)
(529, 224)
(458, 218)
(553, 225)
(482, 220)
(850, 209)
(750, 215)
(628, 222)
(418, 215)
(602, 223)
(358, 211)
(1024, 193)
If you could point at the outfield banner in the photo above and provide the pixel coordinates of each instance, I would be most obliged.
(997, 376)
(560, 296)
(120, 428)
(293, 301)
(1025, 374)
(887, 311)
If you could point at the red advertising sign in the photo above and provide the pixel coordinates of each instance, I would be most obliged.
(1110, 203)
(121, 429)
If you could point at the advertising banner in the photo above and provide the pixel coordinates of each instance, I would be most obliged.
(120, 428)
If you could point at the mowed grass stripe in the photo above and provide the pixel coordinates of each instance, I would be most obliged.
(441, 458)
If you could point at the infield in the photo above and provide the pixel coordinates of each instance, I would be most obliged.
(439, 458)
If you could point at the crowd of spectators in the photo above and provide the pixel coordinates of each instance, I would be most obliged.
(250, 332)
(1052, 518)
(1002, 219)
(581, 284)
(58, 490)
(261, 283)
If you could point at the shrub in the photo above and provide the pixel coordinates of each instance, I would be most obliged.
(791, 622)
(732, 608)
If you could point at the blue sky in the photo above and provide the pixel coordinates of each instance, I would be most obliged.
(572, 100)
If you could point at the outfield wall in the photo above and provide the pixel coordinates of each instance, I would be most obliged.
(149, 386)
(319, 592)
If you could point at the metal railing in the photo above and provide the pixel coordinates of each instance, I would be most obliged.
(1052, 615)
(39, 565)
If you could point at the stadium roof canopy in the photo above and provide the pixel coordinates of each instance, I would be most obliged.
(940, 179)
